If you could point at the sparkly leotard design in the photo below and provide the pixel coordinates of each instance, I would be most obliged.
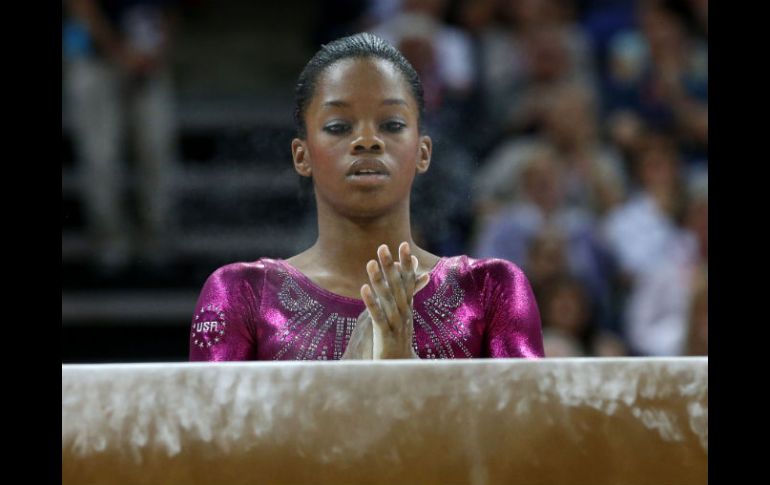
(269, 310)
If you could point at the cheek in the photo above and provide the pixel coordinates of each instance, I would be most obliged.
(322, 152)
(406, 150)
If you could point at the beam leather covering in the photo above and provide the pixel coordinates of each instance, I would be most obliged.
(552, 421)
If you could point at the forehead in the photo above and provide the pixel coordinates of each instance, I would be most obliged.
(361, 79)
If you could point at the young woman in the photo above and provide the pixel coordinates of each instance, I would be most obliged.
(364, 290)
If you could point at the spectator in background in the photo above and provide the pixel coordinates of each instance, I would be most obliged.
(659, 73)
(638, 231)
(498, 182)
(595, 178)
(450, 62)
(595, 173)
(547, 266)
(538, 46)
(117, 83)
(540, 205)
(593, 181)
(539, 200)
(667, 312)
(546, 259)
(570, 328)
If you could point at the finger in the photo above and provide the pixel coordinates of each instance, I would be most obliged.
(405, 257)
(422, 282)
(395, 283)
(404, 277)
(375, 312)
(407, 270)
(383, 294)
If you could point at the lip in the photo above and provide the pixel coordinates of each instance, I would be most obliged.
(370, 181)
(374, 164)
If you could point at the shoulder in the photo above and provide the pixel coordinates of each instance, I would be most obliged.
(480, 265)
(511, 314)
(237, 275)
(241, 270)
(492, 270)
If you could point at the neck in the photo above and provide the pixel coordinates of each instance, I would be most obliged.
(345, 244)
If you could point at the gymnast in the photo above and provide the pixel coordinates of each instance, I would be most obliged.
(364, 289)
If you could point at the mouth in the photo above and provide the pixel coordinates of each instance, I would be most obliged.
(368, 168)
(367, 178)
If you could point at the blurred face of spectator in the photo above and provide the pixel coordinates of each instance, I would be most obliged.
(625, 129)
(569, 117)
(547, 257)
(657, 164)
(566, 309)
(664, 33)
(547, 55)
(543, 182)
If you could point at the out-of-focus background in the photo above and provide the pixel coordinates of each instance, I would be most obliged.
(570, 137)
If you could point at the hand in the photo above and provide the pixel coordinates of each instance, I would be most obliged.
(389, 301)
(360, 344)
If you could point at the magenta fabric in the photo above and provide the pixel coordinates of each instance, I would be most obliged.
(269, 310)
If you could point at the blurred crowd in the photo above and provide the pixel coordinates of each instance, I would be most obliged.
(570, 137)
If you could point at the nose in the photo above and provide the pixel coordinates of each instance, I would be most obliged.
(367, 141)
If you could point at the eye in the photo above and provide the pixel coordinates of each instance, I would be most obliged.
(337, 128)
(394, 126)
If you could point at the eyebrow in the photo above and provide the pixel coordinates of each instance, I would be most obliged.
(392, 101)
(387, 102)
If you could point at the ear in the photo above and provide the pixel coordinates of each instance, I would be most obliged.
(426, 148)
(301, 158)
